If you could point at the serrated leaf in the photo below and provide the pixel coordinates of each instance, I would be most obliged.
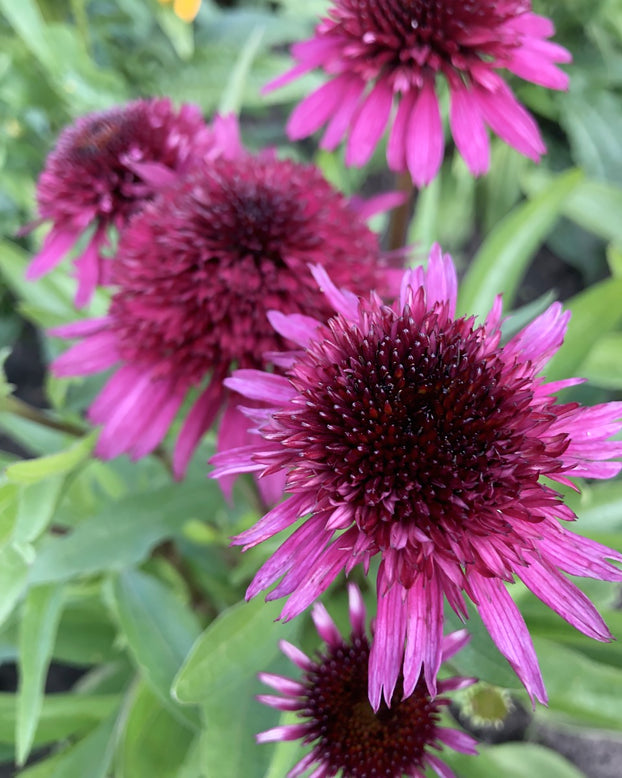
(37, 634)
(499, 265)
(159, 630)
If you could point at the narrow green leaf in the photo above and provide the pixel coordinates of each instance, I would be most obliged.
(37, 634)
(233, 94)
(504, 256)
(159, 631)
(154, 742)
(62, 716)
(13, 579)
(512, 760)
(33, 470)
(595, 312)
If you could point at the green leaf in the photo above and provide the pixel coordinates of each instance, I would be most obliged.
(62, 716)
(603, 365)
(154, 742)
(159, 631)
(121, 535)
(233, 94)
(512, 760)
(37, 503)
(13, 578)
(220, 658)
(92, 756)
(33, 470)
(37, 634)
(595, 312)
(504, 256)
(581, 691)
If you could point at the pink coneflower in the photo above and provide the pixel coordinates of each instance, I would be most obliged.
(348, 737)
(381, 53)
(105, 167)
(196, 272)
(414, 435)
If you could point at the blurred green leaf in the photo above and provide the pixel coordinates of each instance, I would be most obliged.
(220, 658)
(37, 634)
(62, 716)
(581, 691)
(499, 265)
(13, 578)
(34, 470)
(233, 93)
(603, 364)
(153, 743)
(595, 312)
(512, 760)
(92, 756)
(159, 631)
(121, 535)
(37, 502)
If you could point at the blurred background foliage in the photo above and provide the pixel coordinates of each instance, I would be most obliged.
(123, 579)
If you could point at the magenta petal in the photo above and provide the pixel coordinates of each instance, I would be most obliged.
(369, 124)
(317, 108)
(198, 421)
(387, 650)
(87, 268)
(296, 327)
(56, 244)
(158, 418)
(509, 120)
(425, 142)
(342, 117)
(469, 131)
(276, 520)
(257, 385)
(80, 328)
(509, 631)
(564, 598)
(398, 138)
(424, 633)
(95, 353)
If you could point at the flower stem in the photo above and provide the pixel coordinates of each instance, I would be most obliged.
(400, 216)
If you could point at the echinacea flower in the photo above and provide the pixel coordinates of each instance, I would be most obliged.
(196, 272)
(414, 436)
(105, 167)
(389, 60)
(185, 9)
(348, 738)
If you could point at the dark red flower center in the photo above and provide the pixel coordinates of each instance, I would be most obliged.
(200, 267)
(348, 735)
(419, 422)
(404, 38)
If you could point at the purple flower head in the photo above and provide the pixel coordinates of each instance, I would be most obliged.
(348, 737)
(106, 166)
(383, 55)
(195, 273)
(415, 436)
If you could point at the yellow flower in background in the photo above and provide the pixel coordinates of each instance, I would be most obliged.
(185, 9)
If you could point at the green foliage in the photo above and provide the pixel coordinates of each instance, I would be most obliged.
(118, 570)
